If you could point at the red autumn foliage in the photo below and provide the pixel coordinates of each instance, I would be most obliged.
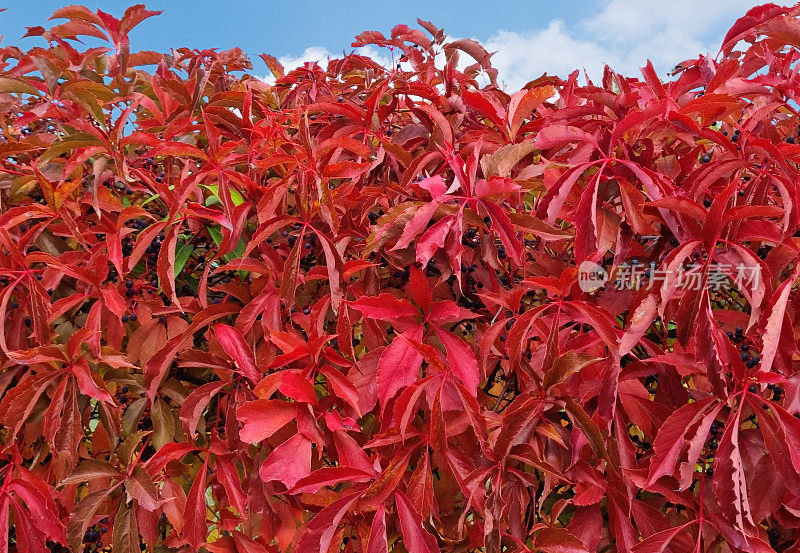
(344, 312)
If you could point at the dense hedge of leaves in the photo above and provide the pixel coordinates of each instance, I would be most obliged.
(342, 311)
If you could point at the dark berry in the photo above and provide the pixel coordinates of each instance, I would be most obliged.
(705, 158)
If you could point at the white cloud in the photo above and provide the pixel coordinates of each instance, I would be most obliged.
(624, 34)
(312, 53)
(556, 50)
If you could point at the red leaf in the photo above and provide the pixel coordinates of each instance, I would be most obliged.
(730, 485)
(460, 359)
(263, 417)
(378, 542)
(166, 264)
(320, 531)
(289, 462)
(384, 307)
(196, 402)
(658, 542)
(558, 540)
(177, 149)
(670, 440)
(416, 539)
(399, 364)
(234, 344)
(560, 135)
(502, 225)
(774, 324)
(194, 526)
(328, 476)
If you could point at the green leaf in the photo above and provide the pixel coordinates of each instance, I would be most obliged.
(237, 252)
(236, 198)
(15, 86)
(216, 235)
(182, 256)
(150, 199)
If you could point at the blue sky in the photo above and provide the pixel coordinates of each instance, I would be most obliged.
(530, 37)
